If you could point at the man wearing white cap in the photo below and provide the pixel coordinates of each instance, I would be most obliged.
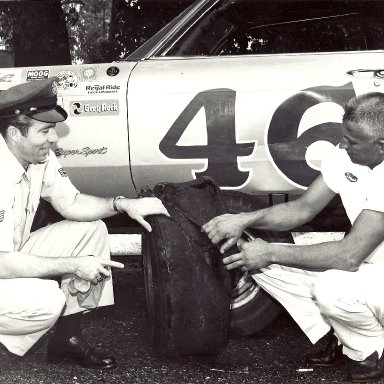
(75, 249)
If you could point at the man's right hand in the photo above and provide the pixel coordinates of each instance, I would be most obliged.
(92, 269)
(225, 227)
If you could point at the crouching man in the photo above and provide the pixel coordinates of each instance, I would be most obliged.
(337, 285)
(75, 249)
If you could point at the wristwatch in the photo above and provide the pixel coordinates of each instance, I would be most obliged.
(114, 202)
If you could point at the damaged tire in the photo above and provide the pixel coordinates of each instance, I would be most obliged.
(191, 303)
(188, 291)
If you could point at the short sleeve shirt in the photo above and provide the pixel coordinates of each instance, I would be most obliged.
(21, 191)
(358, 186)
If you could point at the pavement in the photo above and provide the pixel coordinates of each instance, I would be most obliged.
(274, 356)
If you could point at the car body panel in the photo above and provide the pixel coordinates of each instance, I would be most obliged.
(263, 89)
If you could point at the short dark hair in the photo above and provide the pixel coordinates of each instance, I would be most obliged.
(21, 122)
(367, 111)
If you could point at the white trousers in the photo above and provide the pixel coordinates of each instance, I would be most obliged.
(29, 307)
(350, 302)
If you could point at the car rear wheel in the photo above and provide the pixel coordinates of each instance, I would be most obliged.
(252, 309)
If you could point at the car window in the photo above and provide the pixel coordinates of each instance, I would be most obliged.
(245, 27)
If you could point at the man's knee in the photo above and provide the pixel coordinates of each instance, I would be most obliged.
(53, 301)
(38, 309)
(325, 289)
(97, 228)
(338, 292)
(101, 227)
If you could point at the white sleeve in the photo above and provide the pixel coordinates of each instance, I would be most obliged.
(375, 201)
(330, 169)
(57, 188)
(6, 214)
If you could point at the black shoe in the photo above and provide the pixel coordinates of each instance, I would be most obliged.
(77, 351)
(370, 369)
(331, 356)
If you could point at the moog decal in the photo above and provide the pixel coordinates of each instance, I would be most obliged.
(38, 74)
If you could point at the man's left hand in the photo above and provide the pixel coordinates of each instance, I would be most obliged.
(138, 209)
(253, 255)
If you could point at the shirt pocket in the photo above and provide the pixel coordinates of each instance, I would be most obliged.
(33, 203)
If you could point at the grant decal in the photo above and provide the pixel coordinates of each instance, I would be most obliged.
(94, 108)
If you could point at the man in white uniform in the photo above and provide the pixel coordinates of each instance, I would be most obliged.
(75, 249)
(337, 285)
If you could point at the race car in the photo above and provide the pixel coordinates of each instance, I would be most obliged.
(249, 93)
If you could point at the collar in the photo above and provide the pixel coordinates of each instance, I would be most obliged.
(10, 163)
(379, 167)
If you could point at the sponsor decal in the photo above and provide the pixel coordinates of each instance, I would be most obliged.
(2, 215)
(89, 73)
(113, 71)
(54, 87)
(37, 74)
(105, 88)
(95, 108)
(62, 172)
(86, 151)
(351, 177)
(6, 78)
(67, 80)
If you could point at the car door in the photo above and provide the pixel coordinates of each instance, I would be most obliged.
(251, 93)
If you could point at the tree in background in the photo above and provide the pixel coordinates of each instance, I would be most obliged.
(108, 30)
(135, 21)
(88, 25)
(54, 32)
(36, 32)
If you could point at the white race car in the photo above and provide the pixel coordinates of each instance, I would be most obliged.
(247, 92)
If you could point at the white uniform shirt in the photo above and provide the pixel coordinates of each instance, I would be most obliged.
(359, 187)
(20, 194)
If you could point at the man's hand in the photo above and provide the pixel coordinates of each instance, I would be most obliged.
(138, 209)
(225, 227)
(253, 255)
(92, 269)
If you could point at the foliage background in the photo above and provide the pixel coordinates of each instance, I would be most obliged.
(53, 32)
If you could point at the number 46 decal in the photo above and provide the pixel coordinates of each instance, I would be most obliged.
(221, 151)
(286, 145)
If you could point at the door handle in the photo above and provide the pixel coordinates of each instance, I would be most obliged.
(365, 73)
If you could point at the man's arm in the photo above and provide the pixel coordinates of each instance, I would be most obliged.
(279, 217)
(89, 208)
(18, 264)
(347, 254)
